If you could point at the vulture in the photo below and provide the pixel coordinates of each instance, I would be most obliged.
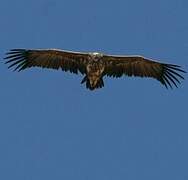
(94, 66)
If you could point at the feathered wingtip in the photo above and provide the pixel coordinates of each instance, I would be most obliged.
(170, 75)
(16, 57)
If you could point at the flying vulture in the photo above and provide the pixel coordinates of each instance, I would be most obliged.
(94, 66)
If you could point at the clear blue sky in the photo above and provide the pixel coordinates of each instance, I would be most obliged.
(51, 127)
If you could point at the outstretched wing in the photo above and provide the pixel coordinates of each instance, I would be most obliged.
(71, 61)
(167, 74)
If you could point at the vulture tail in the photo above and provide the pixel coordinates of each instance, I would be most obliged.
(99, 84)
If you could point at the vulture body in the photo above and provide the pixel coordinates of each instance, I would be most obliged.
(94, 66)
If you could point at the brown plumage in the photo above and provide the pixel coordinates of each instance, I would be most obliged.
(95, 65)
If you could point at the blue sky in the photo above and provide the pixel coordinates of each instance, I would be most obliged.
(51, 127)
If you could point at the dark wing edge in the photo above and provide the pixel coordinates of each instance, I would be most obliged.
(138, 66)
(71, 61)
(171, 75)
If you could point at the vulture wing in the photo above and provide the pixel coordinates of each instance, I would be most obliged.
(167, 74)
(71, 61)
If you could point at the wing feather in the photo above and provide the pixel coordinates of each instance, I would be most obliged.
(167, 74)
(71, 61)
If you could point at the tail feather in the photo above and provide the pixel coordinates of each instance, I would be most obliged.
(99, 84)
(84, 80)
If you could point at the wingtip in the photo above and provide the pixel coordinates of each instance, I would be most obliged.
(18, 49)
(14, 52)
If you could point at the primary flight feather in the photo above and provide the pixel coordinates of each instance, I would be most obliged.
(95, 65)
